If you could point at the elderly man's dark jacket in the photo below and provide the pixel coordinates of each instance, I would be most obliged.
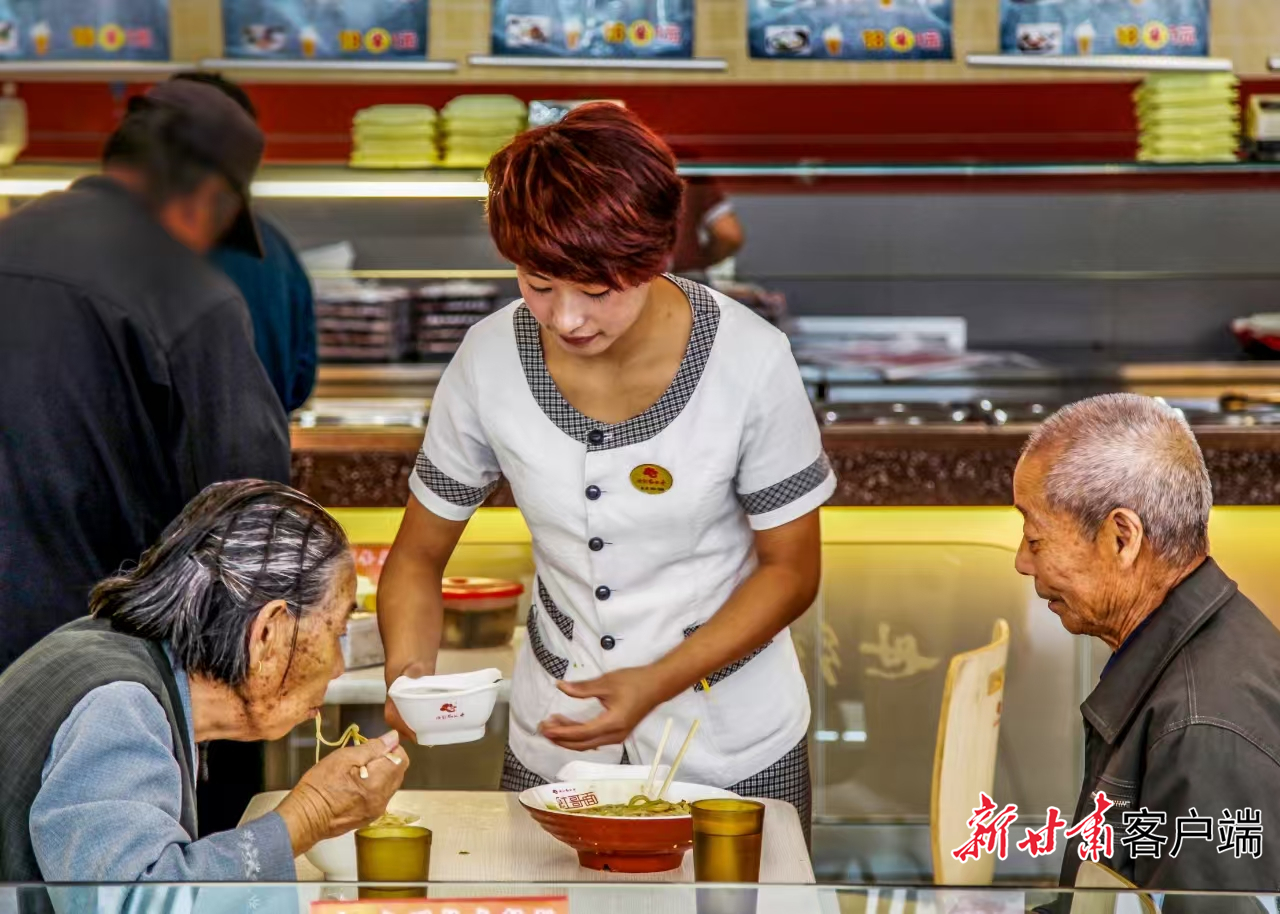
(1187, 718)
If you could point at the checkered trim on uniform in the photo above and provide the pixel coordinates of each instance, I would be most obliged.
(516, 778)
(706, 321)
(787, 779)
(563, 622)
(448, 488)
(556, 666)
(725, 671)
(781, 494)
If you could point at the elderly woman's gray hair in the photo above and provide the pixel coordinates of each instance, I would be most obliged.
(236, 547)
(1129, 451)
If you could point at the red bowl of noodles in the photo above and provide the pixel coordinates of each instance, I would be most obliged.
(598, 819)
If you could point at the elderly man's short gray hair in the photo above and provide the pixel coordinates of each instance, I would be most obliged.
(1135, 452)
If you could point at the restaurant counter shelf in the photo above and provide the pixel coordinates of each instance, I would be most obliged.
(330, 181)
(876, 465)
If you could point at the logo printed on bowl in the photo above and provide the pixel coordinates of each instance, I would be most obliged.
(448, 708)
(578, 801)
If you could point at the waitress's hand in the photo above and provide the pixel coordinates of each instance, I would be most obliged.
(392, 715)
(389, 710)
(628, 696)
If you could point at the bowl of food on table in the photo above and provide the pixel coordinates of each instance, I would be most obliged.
(615, 826)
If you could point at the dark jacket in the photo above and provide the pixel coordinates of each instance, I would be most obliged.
(1188, 717)
(282, 308)
(128, 382)
(40, 690)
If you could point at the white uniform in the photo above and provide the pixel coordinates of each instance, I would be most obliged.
(623, 575)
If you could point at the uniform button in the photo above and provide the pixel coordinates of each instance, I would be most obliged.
(595, 544)
(593, 492)
(603, 593)
(595, 436)
(608, 643)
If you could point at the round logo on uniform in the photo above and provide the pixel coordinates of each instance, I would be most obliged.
(651, 479)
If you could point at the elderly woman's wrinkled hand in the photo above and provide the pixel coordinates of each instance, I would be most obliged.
(348, 789)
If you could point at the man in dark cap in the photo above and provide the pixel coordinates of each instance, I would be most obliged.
(128, 377)
(275, 287)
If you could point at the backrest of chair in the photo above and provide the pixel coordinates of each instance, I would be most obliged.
(964, 761)
(1092, 875)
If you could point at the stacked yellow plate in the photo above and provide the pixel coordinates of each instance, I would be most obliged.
(395, 136)
(474, 127)
(1188, 117)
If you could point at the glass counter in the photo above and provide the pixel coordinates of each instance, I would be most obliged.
(615, 898)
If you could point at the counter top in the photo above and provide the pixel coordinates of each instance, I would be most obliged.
(479, 837)
(923, 465)
(1072, 372)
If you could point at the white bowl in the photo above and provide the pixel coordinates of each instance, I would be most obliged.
(444, 710)
(594, 771)
(336, 857)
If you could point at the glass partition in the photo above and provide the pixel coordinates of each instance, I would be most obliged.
(616, 898)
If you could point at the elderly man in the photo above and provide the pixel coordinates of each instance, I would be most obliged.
(1183, 730)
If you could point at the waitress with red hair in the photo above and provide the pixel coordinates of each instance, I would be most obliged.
(659, 441)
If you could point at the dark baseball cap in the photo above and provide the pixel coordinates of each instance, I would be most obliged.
(224, 133)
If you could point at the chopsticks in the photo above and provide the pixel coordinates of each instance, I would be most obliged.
(657, 758)
(671, 775)
(353, 735)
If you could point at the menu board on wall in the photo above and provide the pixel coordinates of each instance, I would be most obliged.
(84, 29)
(325, 29)
(1079, 28)
(593, 29)
(850, 29)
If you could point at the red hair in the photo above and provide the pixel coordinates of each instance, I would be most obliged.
(592, 199)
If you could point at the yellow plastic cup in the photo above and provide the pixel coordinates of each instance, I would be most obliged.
(393, 854)
(727, 837)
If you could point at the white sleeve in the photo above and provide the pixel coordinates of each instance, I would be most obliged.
(456, 469)
(783, 473)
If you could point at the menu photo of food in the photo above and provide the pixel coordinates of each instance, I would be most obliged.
(851, 29)
(1081, 28)
(528, 31)
(593, 28)
(264, 38)
(1040, 38)
(9, 37)
(325, 29)
(84, 29)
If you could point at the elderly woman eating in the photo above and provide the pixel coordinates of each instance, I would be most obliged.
(228, 629)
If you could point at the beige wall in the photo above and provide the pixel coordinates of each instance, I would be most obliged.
(1247, 31)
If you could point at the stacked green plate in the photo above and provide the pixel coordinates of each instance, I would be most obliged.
(474, 127)
(1188, 117)
(395, 136)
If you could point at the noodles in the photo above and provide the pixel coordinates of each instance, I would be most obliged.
(350, 735)
(637, 807)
